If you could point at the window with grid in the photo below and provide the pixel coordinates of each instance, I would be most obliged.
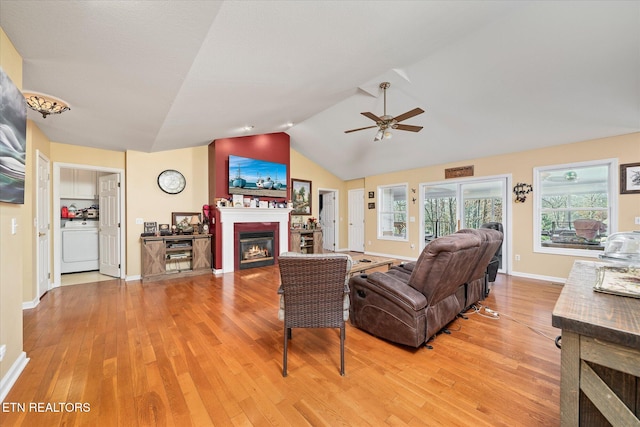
(392, 212)
(574, 207)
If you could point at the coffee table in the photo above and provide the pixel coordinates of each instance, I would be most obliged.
(360, 266)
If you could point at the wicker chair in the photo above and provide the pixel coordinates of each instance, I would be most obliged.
(314, 293)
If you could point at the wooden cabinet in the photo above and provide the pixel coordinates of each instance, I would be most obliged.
(78, 184)
(600, 359)
(166, 257)
(305, 241)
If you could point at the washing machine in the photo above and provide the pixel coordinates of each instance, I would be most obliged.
(80, 249)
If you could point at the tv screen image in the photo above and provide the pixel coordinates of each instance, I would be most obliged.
(257, 177)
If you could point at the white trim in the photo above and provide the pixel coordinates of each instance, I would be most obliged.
(55, 217)
(336, 209)
(554, 280)
(612, 202)
(12, 375)
(27, 305)
(231, 216)
(379, 212)
(391, 256)
(133, 277)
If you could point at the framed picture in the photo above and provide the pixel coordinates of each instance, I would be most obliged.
(301, 196)
(13, 141)
(372, 205)
(184, 220)
(630, 178)
(151, 227)
(372, 194)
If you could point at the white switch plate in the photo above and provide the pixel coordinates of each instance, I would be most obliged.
(14, 225)
(638, 220)
(3, 351)
(139, 221)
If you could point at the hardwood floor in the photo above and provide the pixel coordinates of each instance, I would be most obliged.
(207, 350)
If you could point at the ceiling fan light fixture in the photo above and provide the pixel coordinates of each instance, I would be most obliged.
(45, 104)
(379, 135)
(388, 134)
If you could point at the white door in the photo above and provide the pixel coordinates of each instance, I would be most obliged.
(356, 220)
(109, 233)
(43, 225)
(328, 221)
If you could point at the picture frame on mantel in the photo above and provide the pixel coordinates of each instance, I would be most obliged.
(301, 196)
(630, 178)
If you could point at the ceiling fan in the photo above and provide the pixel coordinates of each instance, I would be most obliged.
(386, 123)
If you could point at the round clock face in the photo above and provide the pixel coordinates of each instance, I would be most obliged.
(171, 181)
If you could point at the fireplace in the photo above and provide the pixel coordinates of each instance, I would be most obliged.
(255, 249)
(255, 244)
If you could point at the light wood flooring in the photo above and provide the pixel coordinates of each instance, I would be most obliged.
(207, 351)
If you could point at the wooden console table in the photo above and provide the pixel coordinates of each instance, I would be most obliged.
(600, 360)
(167, 257)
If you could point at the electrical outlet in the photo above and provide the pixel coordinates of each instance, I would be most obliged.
(517, 257)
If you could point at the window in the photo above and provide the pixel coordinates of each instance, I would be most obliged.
(392, 212)
(575, 207)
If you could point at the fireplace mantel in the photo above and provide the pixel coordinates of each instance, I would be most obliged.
(230, 216)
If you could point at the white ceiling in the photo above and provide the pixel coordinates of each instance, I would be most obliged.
(492, 76)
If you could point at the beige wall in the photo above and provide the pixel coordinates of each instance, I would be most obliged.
(74, 154)
(12, 246)
(303, 168)
(145, 200)
(625, 148)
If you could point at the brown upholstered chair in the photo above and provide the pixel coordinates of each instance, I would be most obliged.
(409, 306)
(314, 293)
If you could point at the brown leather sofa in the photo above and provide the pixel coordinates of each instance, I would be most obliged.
(409, 304)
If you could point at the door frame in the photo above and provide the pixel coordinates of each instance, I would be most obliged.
(336, 211)
(349, 209)
(40, 156)
(507, 221)
(57, 234)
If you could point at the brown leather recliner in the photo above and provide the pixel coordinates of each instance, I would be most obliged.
(410, 308)
(477, 287)
(483, 272)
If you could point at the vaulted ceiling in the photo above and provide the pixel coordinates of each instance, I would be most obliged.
(492, 76)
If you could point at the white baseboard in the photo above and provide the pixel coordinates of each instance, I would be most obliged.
(131, 278)
(556, 280)
(31, 304)
(391, 256)
(12, 375)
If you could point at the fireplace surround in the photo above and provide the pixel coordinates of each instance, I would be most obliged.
(233, 220)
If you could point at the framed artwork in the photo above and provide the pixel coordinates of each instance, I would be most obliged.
(151, 227)
(301, 196)
(630, 178)
(372, 205)
(372, 194)
(184, 220)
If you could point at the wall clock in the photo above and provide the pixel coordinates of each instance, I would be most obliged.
(171, 181)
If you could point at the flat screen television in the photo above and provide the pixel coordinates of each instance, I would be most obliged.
(257, 177)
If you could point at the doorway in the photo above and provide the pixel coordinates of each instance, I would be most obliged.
(356, 220)
(466, 203)
(81, 187)
(328, 213)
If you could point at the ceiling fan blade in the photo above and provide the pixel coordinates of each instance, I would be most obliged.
(408, 114)
(410, 128)
(372, 116)
(354, 130)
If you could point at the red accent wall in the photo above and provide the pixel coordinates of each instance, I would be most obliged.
(271, 147)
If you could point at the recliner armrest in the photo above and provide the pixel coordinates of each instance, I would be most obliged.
(392, 288)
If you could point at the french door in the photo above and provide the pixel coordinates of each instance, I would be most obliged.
(451, 206)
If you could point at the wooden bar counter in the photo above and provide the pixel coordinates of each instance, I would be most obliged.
(600, 361)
